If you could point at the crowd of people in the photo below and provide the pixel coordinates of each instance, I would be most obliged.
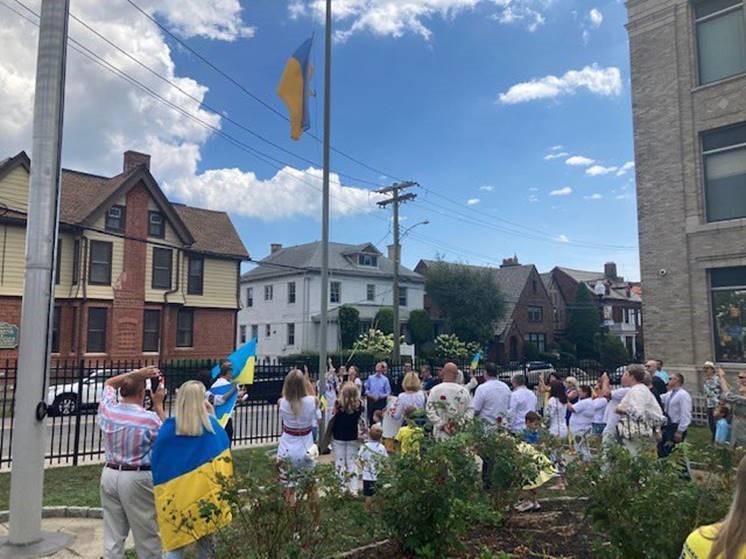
(364, 423)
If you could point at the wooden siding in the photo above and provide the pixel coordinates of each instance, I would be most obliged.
(14, 189)
(220, 287)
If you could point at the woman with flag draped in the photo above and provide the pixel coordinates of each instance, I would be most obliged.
(191, 463)
(222, 391)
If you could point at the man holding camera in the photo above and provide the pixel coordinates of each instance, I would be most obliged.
(129, 431)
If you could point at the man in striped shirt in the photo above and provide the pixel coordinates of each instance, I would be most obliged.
(129, 431)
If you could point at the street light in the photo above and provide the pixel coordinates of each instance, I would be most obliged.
(408, 229)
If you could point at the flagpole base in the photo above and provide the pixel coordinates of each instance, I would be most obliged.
(49, 544)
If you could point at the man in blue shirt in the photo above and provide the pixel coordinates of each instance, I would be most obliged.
(377, 390)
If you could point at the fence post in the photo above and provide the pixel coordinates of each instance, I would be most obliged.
(78, 411)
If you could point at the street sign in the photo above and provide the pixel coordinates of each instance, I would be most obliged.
(8, 336)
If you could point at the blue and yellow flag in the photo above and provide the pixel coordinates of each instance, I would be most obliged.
(224, 411)
(188, 473)
(475, 360)
(243, 361)
(294, 89)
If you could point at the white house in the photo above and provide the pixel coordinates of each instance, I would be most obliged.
(281, 297)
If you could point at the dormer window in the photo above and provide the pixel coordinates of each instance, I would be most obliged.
(367, 260)
(115, 219)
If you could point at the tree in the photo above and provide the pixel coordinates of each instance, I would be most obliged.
(469, 300)
(420, 327)
(613, 353)
(349, 325)
(584, 324)
(448, 346)
(384, 320)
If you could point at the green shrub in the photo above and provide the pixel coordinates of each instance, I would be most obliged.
(349, 325)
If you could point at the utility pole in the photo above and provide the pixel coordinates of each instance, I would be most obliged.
(396, 199)
(25, 538)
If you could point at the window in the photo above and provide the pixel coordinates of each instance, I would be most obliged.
(367, 260)
(99, 270)
(76, 262)
(56, 329)
(151, 330)
(729, 313)
(291, 292)
(724, 154)
(268, 292)
(242, 334)
(335, 292)
(267, 330)
(534, 286)
(96, 330)
(195, 282)
(721, 39)
(115, 219)
(535, 314)
(58, 263)
(402, 296)
(162, 259)
(291, 334)
(370, 292)
(156, 225)
(185, 328)
(254, 330)
(539, 340)
(616, 315)
(249, 296)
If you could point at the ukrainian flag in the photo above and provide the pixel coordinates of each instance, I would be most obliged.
(188, 478)
(243, 361)
(475, 360)
(294, 89)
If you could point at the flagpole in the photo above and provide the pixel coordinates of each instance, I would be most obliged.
(325, 195)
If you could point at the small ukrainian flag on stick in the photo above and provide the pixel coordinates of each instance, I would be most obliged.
(294, 89)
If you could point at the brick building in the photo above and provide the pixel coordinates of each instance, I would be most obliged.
(688, 63)
(137, 276)
(528, 310)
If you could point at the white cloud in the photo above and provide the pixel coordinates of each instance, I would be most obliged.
(596, 17)
(472, 201)
(556, 148)
(487, 188)
(563, 239)
(598, 170)
(595, 196)
(565, 191)
(605, 82)
(628, 166)
(580, 161)
(556, 155)
(105, 116)
(394, 18)
(533, 189)
(533, 199)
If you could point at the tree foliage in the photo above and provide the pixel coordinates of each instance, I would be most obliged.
(384, 320)
(469, 300)
(420, 327)
(584, 324)
(613, 353)
(349, 325)
(448, 346)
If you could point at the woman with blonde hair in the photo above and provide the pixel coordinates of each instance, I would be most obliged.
(727, 539)
(344, 435)
(191, 460)
(412, 397)
(298, 414)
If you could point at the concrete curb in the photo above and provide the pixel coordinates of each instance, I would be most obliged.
(63, 512)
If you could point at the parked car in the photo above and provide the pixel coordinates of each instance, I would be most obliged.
(532, 370)
(65, 399)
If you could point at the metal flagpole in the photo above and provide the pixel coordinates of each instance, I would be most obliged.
(25, 537)
(325, 202)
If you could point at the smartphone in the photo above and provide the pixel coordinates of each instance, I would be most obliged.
(155, 381)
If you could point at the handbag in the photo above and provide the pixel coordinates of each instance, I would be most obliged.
(326, 438)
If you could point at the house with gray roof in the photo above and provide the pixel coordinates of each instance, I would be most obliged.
(528, 315)
(619, 302)
(281, 296)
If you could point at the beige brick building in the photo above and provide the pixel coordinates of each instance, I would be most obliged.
(688, 62)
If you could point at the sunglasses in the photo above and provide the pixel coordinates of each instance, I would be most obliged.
(741, 378)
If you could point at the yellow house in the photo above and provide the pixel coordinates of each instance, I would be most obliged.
(136, 276)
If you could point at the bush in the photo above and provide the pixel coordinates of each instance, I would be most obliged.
(384, 320)
(612, 352)
(449, 346)
(530, 351)
(349, 325)
(420, 327)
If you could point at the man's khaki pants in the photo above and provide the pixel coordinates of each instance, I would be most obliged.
(128, 504)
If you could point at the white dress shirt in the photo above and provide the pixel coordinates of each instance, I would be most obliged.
(582, 416)
(677, 404)
(492, 400)
(522, 401)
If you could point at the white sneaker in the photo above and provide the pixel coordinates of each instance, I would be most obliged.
(524, 506)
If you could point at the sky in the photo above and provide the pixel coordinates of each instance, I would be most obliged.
(514, 116)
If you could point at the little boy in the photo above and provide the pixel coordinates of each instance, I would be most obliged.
(370, 456)
(533, 424)
(722, 427)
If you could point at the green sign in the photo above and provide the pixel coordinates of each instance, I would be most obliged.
(8, 336)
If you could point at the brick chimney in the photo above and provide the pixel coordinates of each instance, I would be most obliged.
(134, 159)
(510, 262)
(610, 271)
(275, 247)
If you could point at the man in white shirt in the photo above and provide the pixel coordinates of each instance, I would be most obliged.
(492, 398)
(611, 417)
(677, 405)
(449, 404)
(522, 401)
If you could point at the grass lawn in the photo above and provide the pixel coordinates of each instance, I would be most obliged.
(79, 486)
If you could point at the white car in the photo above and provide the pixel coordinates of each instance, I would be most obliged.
(64, 399)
